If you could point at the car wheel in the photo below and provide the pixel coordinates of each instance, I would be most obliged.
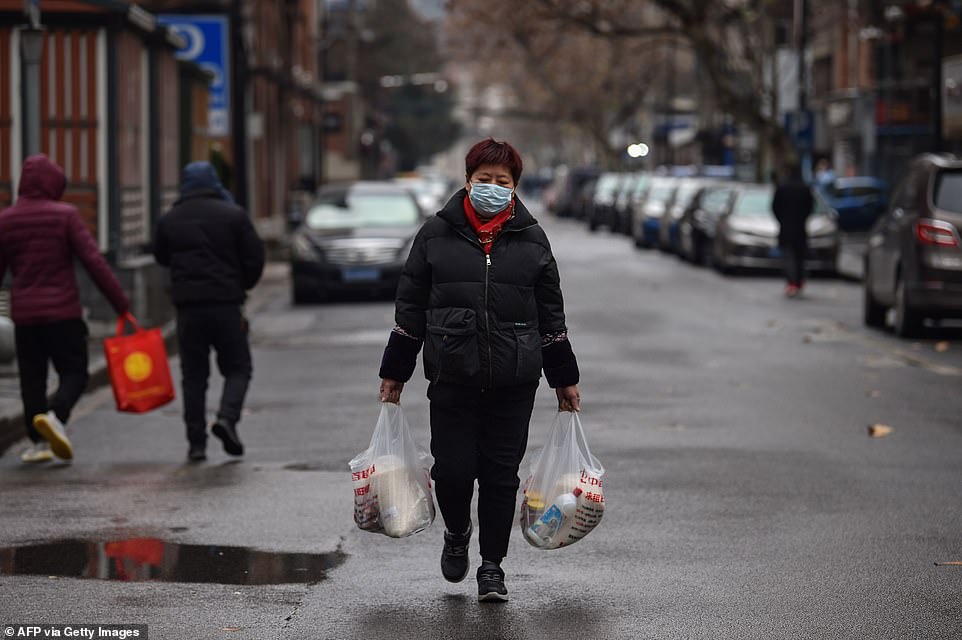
(908, 321)
(873, 313)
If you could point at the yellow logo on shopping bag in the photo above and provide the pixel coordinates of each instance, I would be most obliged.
(138, 366)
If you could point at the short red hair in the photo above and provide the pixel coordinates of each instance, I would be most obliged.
(490, 151)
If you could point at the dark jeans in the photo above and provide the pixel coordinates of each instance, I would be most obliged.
(794, 257)
(223, 328)
(65, 344)
(479, 434)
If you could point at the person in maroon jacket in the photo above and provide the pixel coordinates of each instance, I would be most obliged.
(39, 239)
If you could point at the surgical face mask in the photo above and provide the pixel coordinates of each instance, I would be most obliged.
(489, 198)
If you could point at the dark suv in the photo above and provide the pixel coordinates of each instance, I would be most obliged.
(914, 258)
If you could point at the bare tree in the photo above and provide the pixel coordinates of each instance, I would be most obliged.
(731, 39)
(559, 70)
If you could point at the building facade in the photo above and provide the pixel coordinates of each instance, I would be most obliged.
(109, 105)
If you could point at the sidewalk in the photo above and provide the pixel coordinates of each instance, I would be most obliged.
(12, 427)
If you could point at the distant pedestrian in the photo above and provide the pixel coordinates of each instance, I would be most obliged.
(824, 176)
(40, 237)
(215, 256)
(481, 292)
(792, 204)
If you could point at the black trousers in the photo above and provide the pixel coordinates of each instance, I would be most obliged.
(479, 434)
(64, 344)
(794, 256)
(222, 328)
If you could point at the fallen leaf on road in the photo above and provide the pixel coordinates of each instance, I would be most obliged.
(773, 323)
(942, 346)
(874, 393)
(806, 338)
(879, 430)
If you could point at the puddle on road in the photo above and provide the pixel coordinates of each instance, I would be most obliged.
(155, 560)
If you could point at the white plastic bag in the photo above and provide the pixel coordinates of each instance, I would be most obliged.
(391, 478)
(563, 497)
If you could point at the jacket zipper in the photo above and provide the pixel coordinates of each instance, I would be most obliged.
(487, 317)
(487, 273)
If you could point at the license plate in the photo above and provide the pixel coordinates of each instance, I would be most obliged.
(361, 274)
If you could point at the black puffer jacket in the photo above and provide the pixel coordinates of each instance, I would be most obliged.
(792, 204)
(482, 318)
(211, 247)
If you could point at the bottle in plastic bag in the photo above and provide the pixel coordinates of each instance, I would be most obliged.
(547, 526)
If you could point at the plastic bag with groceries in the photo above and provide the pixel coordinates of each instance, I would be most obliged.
(563, 497)
(391, 478)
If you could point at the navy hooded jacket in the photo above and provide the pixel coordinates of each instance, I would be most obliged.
(210, 244)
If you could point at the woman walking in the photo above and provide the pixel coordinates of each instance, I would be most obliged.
(481, 293)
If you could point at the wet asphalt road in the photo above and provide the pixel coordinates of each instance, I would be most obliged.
(745, 498)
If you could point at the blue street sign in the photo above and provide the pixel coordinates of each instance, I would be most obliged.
(801, 129)
(208, 46)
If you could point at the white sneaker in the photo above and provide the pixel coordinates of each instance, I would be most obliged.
(35, 453)
(52, 430)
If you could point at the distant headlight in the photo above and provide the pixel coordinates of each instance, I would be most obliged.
(303, 249)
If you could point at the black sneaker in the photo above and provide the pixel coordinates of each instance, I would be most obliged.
(197, 453)
(228, 435)
(491, 583)
(454, 556)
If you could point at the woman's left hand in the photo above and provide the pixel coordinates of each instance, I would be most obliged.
(569, 398)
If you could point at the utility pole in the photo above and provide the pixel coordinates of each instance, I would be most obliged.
(31, 50)
(937, 90)
(803, 122)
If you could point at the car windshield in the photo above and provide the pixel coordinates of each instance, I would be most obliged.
(364, 210)
(686, 191)
(607, 184)
(755, 203)
(660, 192)
(948, 191)
(715, 200)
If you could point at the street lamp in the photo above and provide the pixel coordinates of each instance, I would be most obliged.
(31, 50)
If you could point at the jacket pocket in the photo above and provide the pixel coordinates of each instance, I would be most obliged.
(451, 344)
(527, 346)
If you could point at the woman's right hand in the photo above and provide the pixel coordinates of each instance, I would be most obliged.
(391, 390)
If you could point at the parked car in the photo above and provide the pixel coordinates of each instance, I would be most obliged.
(601, 212)
(747, 234)
(353, 238)
(648, 216)
(570, 199)
(914, 258)
(696, 228)
(624, 201)
(859, 201)
(430, 190)
(670, 219)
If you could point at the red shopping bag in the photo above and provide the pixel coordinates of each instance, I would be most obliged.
(137, 363)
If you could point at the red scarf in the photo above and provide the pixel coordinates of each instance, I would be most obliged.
(487, 230)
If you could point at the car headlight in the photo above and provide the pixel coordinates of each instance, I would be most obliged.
(304, 249)
(749, 239)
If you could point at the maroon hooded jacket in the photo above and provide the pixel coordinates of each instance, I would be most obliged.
(39, 239)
